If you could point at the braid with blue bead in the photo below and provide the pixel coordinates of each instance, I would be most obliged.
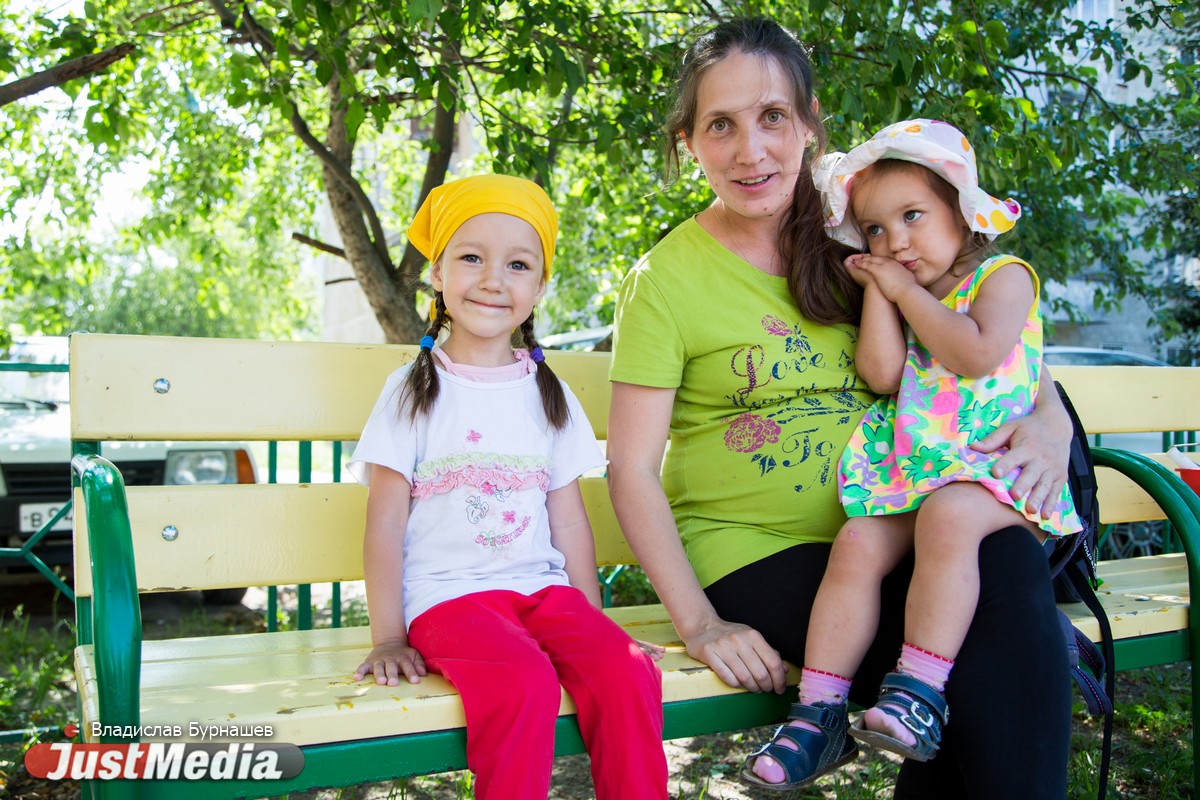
(421, 385)
(554, 400)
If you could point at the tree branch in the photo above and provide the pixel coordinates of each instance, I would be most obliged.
(228, 18)
(64, 72)
(440, 150)
(319, 245)
(164, 10)
(337, 168)
(564, 114)
(265, 49)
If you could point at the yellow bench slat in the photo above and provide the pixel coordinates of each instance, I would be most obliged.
(1131, 399)
(299, 681)
(305, 533)
(231, 389)
(292, 526)
(1142, 596)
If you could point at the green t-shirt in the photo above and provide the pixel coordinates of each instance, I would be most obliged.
(765, 400)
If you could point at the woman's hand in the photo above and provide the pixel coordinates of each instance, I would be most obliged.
(1039, 444)
(739, 655)
(389, 660)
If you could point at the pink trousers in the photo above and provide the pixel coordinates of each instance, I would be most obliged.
(507, 654)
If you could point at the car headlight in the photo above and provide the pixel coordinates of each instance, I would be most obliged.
(186, 467)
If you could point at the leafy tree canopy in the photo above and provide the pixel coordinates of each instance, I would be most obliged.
(248, 112)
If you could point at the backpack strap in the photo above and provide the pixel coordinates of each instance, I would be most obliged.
(1101, 660)
(1073, 573)
(1087, 667)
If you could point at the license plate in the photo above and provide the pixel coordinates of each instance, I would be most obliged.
(35, 515)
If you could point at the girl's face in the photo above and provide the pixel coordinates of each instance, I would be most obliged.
(748, 137)
(490, 276)
(904, 219)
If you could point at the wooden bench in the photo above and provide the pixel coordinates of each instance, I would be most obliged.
(154, 539)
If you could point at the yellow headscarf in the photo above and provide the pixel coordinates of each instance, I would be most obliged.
(450, 205)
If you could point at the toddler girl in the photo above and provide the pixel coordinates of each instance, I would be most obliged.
(479, 560)
(953, 335)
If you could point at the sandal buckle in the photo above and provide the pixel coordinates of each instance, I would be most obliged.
(916, 721)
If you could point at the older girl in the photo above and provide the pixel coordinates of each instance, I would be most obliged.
(479, 560)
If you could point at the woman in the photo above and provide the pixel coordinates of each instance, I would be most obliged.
(735, 339)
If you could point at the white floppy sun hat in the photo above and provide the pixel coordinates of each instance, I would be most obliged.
(936, 145)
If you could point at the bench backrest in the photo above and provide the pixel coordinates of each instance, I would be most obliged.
(144, 388)
(136, 388)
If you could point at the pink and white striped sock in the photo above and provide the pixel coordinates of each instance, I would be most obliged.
(817, 686)
(925, 666)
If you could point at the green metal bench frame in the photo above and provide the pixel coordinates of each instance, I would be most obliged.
(110, 620)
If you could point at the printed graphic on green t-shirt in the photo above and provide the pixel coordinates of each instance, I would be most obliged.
(765, 400)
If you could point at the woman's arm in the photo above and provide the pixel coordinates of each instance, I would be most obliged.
(383, 566)
(1039, 444)
(639, 421)
(571, 535)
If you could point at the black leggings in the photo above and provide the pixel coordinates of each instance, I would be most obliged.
(1009, 693)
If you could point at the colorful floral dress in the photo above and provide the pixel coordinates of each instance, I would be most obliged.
(917, 440)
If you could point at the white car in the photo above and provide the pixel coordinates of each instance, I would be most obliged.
(1098, 357)
(35, 455)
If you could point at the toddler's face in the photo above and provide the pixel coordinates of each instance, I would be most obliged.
(904, 219)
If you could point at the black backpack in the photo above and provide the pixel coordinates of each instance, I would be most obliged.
(1073, 573)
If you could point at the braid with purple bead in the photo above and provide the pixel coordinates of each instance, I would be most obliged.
(554, 401)
(421, 385)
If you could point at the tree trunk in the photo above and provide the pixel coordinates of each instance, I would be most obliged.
(440, 149)
(391, 298)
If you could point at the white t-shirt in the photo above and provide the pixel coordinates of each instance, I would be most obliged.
(480, 466)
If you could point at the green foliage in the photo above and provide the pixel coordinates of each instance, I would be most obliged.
(187, 286)
(1178, 319)
(36, 681)
(247, 113)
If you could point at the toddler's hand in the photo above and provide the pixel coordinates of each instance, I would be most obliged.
(389, 660)
(655, 651)
(860, 275)
(892, 277)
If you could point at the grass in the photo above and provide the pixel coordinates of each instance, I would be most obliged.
(1151, 751)
(37, 684)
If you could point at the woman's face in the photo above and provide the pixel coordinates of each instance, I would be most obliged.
(749, 138)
